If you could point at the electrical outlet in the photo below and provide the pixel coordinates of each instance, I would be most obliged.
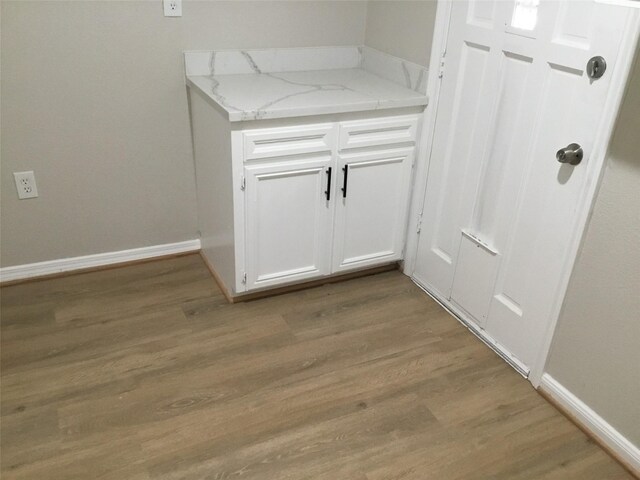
(172, 8)
(25, 184)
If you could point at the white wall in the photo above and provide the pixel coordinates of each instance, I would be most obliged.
(93, 100)
(596, 348)
(402, 28)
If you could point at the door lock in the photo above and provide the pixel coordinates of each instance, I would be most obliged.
(596, 66)
(571, 154)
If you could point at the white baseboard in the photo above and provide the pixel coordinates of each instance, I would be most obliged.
(594, 423)
(40, 269)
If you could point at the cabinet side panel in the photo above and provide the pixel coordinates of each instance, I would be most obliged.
(214, 183)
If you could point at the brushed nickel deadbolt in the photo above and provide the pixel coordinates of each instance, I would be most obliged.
(596, 66)
(571, 154)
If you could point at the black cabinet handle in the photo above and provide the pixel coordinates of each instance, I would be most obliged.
(327, 192)
(345, 169)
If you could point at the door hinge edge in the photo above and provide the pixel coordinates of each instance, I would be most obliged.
(441, 69)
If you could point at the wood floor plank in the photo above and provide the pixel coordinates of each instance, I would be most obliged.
(302, 452)
(146, 372)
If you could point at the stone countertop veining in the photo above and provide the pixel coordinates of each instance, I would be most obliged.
(270, 85)
(295, 94)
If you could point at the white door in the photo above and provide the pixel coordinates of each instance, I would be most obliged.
(372, 192)
(288, 221)
(500, 209)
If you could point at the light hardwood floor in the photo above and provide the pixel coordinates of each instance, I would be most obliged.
(146, 372)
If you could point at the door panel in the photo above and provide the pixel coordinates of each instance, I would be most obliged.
(503, 166)
(288, 222)
(472, 287)
(569, 111)
(461, 131)
(499, 212)
(371, 218)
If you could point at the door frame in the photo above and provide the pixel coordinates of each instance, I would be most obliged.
(437, 64)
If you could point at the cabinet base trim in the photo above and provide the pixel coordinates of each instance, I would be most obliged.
(245, 297)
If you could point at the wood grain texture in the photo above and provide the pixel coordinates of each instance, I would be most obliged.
(147, 372)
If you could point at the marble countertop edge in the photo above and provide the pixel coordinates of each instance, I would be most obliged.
(250, 97)
(240, 116)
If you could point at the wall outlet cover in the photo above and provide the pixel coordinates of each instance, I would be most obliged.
(172, 8)
(26, 184)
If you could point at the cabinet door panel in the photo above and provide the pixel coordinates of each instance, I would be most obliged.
(370, 220)
(288, 222)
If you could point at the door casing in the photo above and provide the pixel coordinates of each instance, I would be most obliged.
(437, 68)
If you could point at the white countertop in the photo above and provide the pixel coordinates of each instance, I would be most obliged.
(255, 96)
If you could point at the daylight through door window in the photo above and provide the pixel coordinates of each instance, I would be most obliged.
(525, 14)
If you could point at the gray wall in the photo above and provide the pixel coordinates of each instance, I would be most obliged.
(596, 348)
(93, 100)
(402, 28)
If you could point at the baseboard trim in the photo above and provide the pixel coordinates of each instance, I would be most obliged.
(64, 266)
(591, 423)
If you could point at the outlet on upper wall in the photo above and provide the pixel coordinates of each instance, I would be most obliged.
(26, 184)
(172, 8)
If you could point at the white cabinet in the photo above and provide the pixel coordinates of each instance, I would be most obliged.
(371, 208)
(288, 221)
(266, 214)
(311, 217)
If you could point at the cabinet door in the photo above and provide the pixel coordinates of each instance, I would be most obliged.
(288, 221)
(371, 208)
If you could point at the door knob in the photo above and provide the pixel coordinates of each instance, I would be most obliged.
(571, 154)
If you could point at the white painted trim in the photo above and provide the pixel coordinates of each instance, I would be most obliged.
(487, 339)
(622, 69)
(621, 3)
(593, 422)
(33, 270)
(421, 170)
